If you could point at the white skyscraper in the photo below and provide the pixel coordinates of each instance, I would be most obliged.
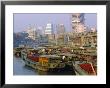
(48, 29)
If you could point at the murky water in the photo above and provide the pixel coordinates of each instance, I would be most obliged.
(19, 68)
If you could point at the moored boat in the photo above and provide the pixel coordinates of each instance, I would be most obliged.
(50, 63)
(17, 51)
(30, 58)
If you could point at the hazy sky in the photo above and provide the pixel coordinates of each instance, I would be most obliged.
(22, 21)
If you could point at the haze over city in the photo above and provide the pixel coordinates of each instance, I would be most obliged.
(22, 21)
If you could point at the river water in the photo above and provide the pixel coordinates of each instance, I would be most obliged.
(19, 68)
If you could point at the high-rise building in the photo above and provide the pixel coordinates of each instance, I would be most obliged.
(48, 29)
(60, 34)
(40, 31)
(80, 28)
(31, 33)
(78, 22)
(60, 29)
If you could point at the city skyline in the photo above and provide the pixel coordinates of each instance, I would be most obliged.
(68, 45)
(22, 21)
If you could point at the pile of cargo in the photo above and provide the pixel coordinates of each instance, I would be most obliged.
(33, 57)
(88, 68)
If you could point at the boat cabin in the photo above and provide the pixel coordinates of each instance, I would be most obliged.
(49, 60)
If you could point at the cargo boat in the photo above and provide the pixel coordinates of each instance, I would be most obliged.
(17, 51)
(84, 69)
(30, 58)
(50, 63)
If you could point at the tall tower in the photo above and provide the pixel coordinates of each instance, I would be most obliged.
(78, 22)
(48, 29)
(40, 31)
(60, 29)
(31, 33)
(60, 33)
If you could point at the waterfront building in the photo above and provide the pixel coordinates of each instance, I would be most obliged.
(86, 39)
